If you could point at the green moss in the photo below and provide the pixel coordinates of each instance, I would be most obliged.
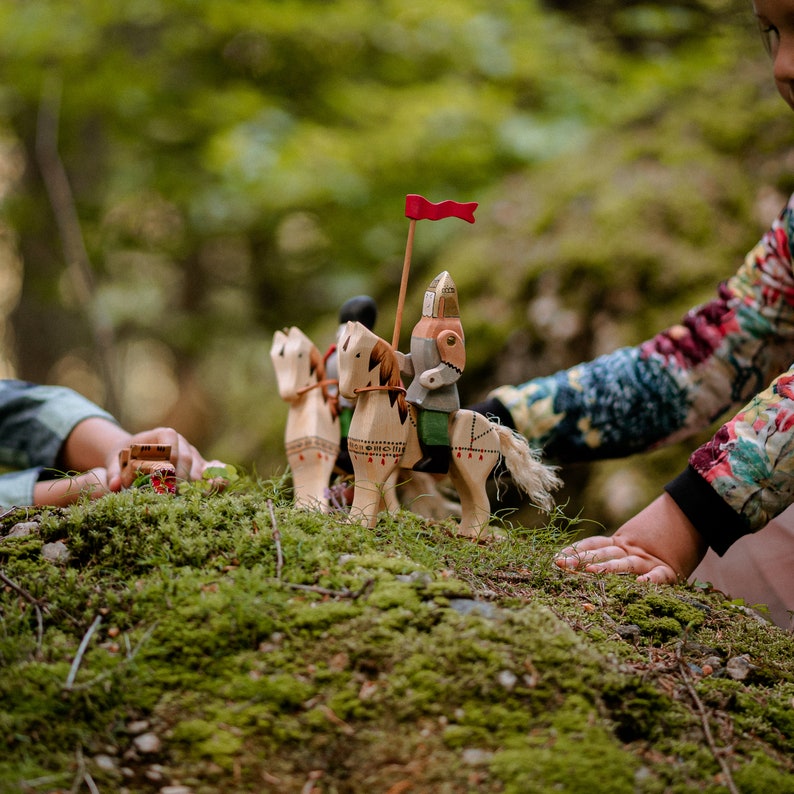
(234, 668)
(573, 762)
(760, 776)
(664, 615)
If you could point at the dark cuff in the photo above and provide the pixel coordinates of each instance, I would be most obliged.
(716, 521)
(493, 408)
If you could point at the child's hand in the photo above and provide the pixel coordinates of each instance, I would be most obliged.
(659, 544)
(599, 554)
(187, 461)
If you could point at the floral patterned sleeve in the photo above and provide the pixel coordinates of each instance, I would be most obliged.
(731, 354)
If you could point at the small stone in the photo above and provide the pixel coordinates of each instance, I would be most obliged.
(468, 606)
(738, 668)
(474, 756)
(176, 790)
(55, 552)
(23, 529)
(147, 743)
(105, 762)
(155, 773)
(629, 631)
(507, 679)
(137, 726)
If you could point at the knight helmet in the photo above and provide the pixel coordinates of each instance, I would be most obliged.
(441, 297)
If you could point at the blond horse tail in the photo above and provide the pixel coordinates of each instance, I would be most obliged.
(530, 475)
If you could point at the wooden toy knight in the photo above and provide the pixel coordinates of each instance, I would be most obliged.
(435, 364)
(424, 428)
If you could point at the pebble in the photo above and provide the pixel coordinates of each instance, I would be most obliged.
(105, 762)
(507, 679)
(138, 726)
(738, 668)
(55, 552)
(468, 606)
(474, 756)
(147, 743)
(176, 790)
(23, 529)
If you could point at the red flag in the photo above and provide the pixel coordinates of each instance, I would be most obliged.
(419, 208)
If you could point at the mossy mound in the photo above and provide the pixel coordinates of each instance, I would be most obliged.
(229, 643)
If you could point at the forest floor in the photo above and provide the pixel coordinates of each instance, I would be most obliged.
(199, 643)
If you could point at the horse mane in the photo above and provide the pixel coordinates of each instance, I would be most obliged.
(383, 354)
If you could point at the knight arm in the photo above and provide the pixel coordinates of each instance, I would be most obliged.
(452, 353)
(406, 363)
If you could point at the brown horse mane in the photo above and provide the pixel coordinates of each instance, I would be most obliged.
(383, 354)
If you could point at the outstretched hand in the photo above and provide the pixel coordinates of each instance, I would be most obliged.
(600, 554)
(659, 544)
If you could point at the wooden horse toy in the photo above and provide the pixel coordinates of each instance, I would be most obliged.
(383, 436)
(312, 434)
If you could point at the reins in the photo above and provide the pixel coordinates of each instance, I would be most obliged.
(320, 383)
(385, 387)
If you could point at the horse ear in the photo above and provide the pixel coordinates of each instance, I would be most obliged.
(279, 340)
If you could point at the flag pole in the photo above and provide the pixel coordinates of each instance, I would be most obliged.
(409, 245)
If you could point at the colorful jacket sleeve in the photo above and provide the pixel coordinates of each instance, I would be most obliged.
(731, 355)
(34, 423)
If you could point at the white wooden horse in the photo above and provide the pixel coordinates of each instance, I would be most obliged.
(312, 434)
(383, 435)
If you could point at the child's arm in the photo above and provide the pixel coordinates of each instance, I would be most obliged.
(659, 544)
(66, 490)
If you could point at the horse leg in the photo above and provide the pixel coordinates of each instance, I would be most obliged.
(371, 491)
(474, 453)
(475, 507)
(311, 468)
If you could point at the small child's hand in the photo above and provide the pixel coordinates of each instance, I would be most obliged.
(659, 544)
(601, 554)
(187, 461)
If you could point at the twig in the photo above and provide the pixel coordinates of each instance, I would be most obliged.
(344, 593)
(28, 597)
(83, 775)
(276, 539)
(107, 673)
(715, 751)
(80, 651)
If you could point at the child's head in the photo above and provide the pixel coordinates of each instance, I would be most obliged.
(776, 23)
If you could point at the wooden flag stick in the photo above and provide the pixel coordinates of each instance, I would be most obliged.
(398, 320)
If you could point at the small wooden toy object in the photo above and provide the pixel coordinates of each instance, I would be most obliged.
(424, 426)
(312, 435)
(152, 460)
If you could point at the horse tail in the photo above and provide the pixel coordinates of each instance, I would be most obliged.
(530, 475)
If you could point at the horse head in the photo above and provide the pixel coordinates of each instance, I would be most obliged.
(297, 362)
(365, 361)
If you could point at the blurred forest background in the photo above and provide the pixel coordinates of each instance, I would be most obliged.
(179, 179)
